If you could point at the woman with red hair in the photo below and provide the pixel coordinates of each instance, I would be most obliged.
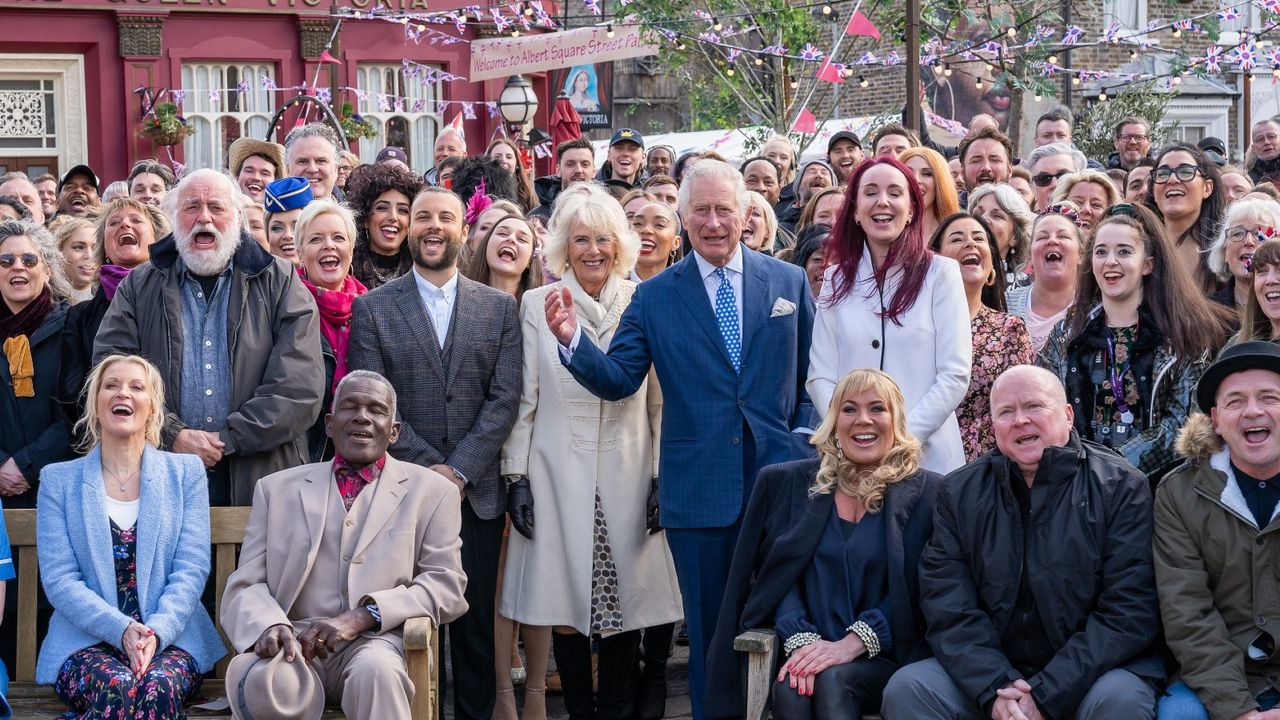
(889, 303)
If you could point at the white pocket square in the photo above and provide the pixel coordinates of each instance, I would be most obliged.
(782, 306)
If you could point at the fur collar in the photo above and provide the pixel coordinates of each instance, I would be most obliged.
(1197, 440)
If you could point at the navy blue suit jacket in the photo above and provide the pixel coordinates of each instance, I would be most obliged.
(704, 473)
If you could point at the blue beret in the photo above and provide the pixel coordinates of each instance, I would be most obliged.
(291, 193)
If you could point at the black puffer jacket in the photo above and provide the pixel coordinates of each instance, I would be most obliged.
(1089, 566)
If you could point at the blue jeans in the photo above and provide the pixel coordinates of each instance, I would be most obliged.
(1180, 702)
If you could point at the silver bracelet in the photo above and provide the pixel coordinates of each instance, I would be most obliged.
(868, 636)
(799, 640)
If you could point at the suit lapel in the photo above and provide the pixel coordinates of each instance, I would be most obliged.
(693, 292)
(152, 521)
(313, 498)
(462, 324)
(415, 317)
(93, 503)
(755, 296)
(387, 492)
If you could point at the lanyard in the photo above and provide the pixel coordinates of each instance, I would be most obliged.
(1117, 390)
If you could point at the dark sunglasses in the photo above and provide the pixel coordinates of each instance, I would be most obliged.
(28, 259)
(1045, 179)
(1186, 172)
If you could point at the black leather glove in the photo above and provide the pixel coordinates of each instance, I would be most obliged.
(520, 506)
(651, 519)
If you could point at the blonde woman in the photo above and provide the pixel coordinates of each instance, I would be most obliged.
(1091, 191)
(848, 528)
(589, 567)
(123, 538)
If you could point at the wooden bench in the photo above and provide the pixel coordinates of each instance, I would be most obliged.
(226, 525)
(761, 647)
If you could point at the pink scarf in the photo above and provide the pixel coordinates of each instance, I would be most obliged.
(335, 317)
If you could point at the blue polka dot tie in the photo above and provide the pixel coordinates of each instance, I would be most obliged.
(727, 317)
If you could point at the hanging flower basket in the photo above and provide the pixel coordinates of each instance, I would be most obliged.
(164, 126)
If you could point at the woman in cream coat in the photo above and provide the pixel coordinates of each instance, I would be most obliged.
(921, 338)
(591, 566)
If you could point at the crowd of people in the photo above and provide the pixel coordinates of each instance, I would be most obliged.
(975, 436)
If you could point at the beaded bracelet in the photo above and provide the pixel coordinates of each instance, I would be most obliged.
(868, 636)
(799, 640)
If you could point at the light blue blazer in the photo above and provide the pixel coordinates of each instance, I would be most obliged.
(73, 536)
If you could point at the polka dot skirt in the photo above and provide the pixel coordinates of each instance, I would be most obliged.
(606, 607)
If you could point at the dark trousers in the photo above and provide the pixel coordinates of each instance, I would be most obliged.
(471, 650)
(841, 692)
(702, 557)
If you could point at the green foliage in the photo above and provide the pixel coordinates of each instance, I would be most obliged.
(1095, 124)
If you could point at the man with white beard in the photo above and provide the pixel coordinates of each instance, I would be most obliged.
(234, 334)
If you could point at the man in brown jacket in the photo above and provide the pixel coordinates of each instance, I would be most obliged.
(336, 557)
(1217, 544)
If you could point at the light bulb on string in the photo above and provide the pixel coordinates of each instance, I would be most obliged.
(1133, 54)
(1177, 33)
(862, 82)
(1075, 80)
(977, 82)
(715, 24)
(826, 9)
(609, 31)
(795, 83)
(515, 33)
(1013, 32)
(1037, 97)
(759, 61)
(1052, 59)
(1102, 96)
(946, 69)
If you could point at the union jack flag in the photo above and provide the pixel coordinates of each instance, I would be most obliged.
(1246, 56)
(732, 54)
(1112, 33)
(460, 22)
(1271, 6)
(268, 83)
(1273, 57)
(469, 110)
(774, 50)
(1228, 14)
(500, 21)
(1073, 35)
(1212, 57)
(868, 58)
(892, 58)
(592, 5)
(324, 95)
(540, 14)
(810, 53)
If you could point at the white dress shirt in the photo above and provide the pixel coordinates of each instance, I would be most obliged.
(439, 303)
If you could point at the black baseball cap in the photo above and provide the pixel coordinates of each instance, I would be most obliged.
(79, 170)
(843, 135)
(626, 135)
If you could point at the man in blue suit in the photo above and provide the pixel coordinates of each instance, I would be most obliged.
(727, 330)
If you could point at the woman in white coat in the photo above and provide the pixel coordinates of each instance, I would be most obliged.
(889, 303)
(590, 567)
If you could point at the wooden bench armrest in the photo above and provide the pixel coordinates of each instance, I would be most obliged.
(754, 641)
(760, 644)
(421, 655)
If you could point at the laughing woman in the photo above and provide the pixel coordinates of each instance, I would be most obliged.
(123, 541)
(1000, 340)
(890, 303)
(285, 198)
(380, 196)
(1134, 344)
(1262, 307)
(326, 236)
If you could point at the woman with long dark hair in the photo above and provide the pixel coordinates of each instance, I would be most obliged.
(380, 195)
(508, 156)
(890, 303)
(1000, 340)
(1185, 190)
(1133, 346)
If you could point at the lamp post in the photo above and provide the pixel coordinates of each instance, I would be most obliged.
(518, 105)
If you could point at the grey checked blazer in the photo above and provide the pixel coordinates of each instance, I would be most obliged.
(457, 415)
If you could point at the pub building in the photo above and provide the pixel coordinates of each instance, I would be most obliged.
(78, 76)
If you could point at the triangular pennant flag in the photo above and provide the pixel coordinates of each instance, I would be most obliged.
(829, 72)
(325, 57)
(456, 123)
(805, 122)
(860, 25)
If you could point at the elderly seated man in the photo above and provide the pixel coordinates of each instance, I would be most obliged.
(1037, 585)
(336, 557)
(1216, 546)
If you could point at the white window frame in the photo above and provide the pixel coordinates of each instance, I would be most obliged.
(1208, 114)
(377, 80)
(205, 148)
(1138, 8)
(67, 72)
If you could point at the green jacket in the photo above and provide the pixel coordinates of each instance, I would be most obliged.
(1217, 574)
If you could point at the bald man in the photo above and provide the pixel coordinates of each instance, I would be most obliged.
(1038, 586)
(17, 185)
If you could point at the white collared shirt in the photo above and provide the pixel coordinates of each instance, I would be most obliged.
(733, 271)
(439, 303)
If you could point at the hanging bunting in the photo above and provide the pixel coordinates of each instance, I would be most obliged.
(860, 25)
(805, 122)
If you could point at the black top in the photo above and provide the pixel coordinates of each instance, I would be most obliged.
(1025, 641)
(1261, 495)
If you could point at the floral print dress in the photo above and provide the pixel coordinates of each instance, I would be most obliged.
(1000, 341)
(96, 682)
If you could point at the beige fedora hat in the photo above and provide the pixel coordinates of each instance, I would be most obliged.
(242, 148)
(262, 689)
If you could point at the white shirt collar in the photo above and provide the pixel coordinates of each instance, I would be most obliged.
(706, 269)
(449, 290)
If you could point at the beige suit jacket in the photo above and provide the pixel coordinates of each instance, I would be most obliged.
(407, 558)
